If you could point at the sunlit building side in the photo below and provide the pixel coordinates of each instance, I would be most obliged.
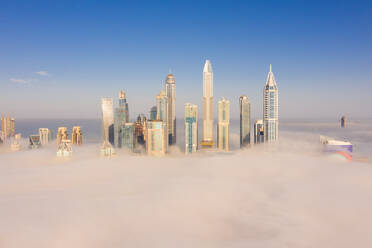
(7, 127)
(76, 136)
(156, 138)
(270, 108)
(162, 107)
(259, 134)
(245, 121)
(107, 127)
(223, 125)
(61, 134)
(46, 135)
(208, 128)
(64, 148)
(191, 128)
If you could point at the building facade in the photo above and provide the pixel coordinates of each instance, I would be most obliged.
(34, 141)
(128, 136)
(121, 117)
(61, 134)
(153, 113)
(223, 125)
(270, 108)
(107, 120)
(156, 138)
(76, 136)
(191, 128)
(7, 127)
(245, 121)
(170, 91)
(208, 128)
(64, 148)
(46, 135)
(259, 132)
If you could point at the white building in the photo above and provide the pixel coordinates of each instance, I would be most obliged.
(270, 108)
(207, 105)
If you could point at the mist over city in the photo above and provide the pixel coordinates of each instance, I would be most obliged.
(185, 124)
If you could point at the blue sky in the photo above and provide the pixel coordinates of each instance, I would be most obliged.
(84, 50)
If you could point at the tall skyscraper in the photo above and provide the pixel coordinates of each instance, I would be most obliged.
(207, 105)
(162, 107)
(191, 128)
(259, 132)
(245, 121)
(270, 108)
(61, 134)
(156, 138)
(76, 136)
(140, 129)
(121, 117)
(7, 126)
(223, 125)
(170, 91)
(107, 120)
(46, 135)
(128, 136)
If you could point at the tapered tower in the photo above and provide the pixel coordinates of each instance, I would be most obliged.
(270, 108)
(170, 91)
(207, 105)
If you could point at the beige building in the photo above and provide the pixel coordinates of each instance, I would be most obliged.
(45, 136)
(223, 125)
(156, 138)
(76, 136)
(207, 140)
(7, 126)
(61, 134)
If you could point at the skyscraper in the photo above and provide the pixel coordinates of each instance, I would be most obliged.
(343, 121)
(156, 138)
(46, 135)
(107, 127)
(170, 91)
(139, 130)
(107, 120)
(207, 105)
(223, 125)
(245, 121)
(121, 117)
(128, 137)
(162, 107)
(270, 108)
(34, 141)
(61, 134)
(64, 148)
(191, 128)
(76, 136)
(259, 134)
(7, 126)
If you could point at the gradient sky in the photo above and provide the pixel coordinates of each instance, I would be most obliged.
(58, 58)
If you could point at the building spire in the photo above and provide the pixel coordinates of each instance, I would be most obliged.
(270, 68)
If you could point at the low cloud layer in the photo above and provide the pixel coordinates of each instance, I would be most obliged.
(288, 195)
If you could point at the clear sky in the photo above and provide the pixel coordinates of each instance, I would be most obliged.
(58, 58)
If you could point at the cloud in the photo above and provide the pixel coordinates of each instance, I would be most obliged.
(21, 81)
(288, 195)
(42, 73)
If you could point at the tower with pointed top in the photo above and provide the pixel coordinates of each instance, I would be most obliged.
(170, 92)
(207, 105)
(270, 108)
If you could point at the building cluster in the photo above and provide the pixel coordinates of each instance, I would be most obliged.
(156, 133)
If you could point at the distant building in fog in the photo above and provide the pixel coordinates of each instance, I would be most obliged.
(64, 148)
(76, 136)
(61, 134)
(223, 125)
(156, 138)
(140, 129)
(245, 121)
(170, 91)
(191, 128)
(34, 141)
(343, 121)
(46, 135)
(7, 127)
(15, 146)
(259, 135)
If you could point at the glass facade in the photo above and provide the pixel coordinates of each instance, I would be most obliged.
(245, 121)
(191, 128)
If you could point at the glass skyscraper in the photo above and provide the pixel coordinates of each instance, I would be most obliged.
(191, 128)
(259, 134)
(128, 136)
(245, 121)
(223, 125)
(121, 117)
(170, 91)
(270, 108)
